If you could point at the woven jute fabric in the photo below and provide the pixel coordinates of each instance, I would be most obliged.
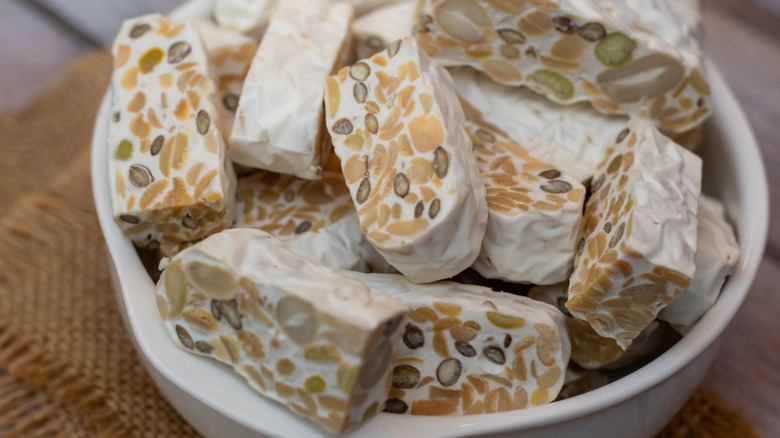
(67, 365)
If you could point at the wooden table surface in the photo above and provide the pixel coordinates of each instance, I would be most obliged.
(39, 37)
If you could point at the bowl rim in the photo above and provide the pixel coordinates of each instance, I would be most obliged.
(132, 276)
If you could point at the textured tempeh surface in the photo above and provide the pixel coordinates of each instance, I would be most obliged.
(641, 58)
(171, 180)
(316, 218)
(397, 127)
(534, 220)
(301, 334)
(278, 123)
(644, 202)
(489, 369)
(741, 36)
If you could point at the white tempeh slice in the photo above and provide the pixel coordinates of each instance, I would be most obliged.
(231, 54)
(636, 57)
(249, 17)
(636, 254)
(574, 138)
(279, 118)
(470, 350)
(170, 177)
(377, 29)
(304, 335)
(315, 219)
(591, 351)
(397, 127)
(534, 212)
(716, 257)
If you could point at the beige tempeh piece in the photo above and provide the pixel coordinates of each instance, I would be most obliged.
(716, 256)
(231, 54)
(397, 127)
(635, 57)
(636, 254)
(534, 212)
(470, 350)
(315, 219)
(376, 30)
(250, 17)
(574, 137)
(301, 334)
(170, 177)
(279, 118)
(591, 351)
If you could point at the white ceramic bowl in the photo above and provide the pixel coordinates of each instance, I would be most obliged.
(219, 404)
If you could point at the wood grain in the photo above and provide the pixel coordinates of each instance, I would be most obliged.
(746, 371)
(750, 63)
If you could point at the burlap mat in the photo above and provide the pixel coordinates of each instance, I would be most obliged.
(68, 367)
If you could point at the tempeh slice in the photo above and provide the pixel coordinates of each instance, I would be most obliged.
(170, 178)
(315, 219)
(591, 351)
(572, 137)
(231, 54)
(397, 127)
(301, 334)
(534, 212)
(636, 253)
(469, 350)
(279, 120)
(635, 57)
(716, 256)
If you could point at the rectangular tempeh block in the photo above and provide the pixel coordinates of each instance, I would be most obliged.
(231, 54)
(468, 350)
(716, 256)
(316, 219)
(534, 212)
(301, 334)
(636, 253)
(397, 127)
(573, 137)
(636, 57)
(376, 30)
(279, 120)
(170, 177)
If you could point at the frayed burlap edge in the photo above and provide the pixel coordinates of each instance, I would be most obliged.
(29, 412)
(25, 412)
(707, 415)
(22, 355)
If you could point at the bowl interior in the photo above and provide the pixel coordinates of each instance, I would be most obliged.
(733, 172)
